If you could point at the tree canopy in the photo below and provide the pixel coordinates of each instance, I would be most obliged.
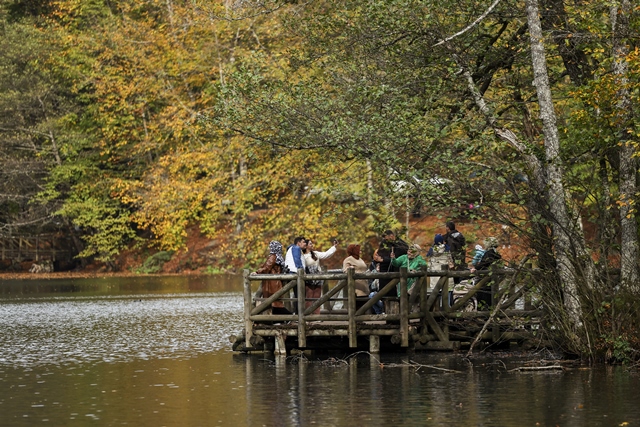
(130, 121)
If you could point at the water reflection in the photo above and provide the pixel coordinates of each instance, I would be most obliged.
(148, 354)
(135, 285)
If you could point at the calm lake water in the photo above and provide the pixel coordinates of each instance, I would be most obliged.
(154, 351)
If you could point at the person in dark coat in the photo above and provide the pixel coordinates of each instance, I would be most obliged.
(458, 248)
(390, 243)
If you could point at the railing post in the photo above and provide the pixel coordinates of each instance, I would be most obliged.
(445, 291)
(325, 289)
(404, 308)
(495, 328)
(423, 300)
(351, 308)
(248, 324)
(527, 296)
(302, 295)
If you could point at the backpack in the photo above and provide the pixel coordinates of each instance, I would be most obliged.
(457, 243)
(490, 256)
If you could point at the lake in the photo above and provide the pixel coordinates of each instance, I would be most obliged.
(154, 351)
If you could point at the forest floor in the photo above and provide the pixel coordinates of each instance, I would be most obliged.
(200, 255)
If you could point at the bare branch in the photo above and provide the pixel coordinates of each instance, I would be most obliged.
(470, 26)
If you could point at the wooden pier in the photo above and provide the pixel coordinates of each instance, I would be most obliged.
(423, 320)
(38, 247)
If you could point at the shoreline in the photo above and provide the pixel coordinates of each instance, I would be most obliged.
(87, 275)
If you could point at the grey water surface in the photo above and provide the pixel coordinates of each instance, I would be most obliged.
(154, 351)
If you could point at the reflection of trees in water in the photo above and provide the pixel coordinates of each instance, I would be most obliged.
(362, 391)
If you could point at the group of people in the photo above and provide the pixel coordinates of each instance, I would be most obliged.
(392, 254)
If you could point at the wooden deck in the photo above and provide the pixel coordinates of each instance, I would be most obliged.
(421, 321)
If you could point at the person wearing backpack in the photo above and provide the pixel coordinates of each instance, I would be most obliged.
(458, 248)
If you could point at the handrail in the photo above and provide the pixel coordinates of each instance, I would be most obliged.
(429, 303)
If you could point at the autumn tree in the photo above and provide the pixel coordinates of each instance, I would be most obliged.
(423, 92)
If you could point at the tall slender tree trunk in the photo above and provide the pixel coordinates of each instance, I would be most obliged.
(563, 227)
(627, 171)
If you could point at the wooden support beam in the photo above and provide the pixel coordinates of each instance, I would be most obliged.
(404, 308)
(267, 303)
(280, 345)
(351, 307)
(324, 299)
(462, 301)
(423, 305)
(248, 324)
(302, 338)
(442, 336)
(377, 297)
(374, 344)
(434, 294)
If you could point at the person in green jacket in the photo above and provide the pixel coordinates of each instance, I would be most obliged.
(413, 261)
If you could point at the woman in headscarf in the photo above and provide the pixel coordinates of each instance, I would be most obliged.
(273, 265)
(413, 261)
(353, 260)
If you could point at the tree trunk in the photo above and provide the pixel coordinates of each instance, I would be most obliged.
(563, 225)
(627, 170)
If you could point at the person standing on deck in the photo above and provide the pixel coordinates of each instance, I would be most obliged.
(438, 257)
(293, 260)
(273, 265)
(458, 247)
(312, 261)
(353, 260)
(390, 244)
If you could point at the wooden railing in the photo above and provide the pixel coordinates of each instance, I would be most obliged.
(427, 322)
(40, 247)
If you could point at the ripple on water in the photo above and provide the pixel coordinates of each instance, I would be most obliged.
(107, 329)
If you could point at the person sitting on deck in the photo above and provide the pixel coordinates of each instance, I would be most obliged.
(353, 260)
(413, 261)
(489, 257)
(273, 265)
(312, 261)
